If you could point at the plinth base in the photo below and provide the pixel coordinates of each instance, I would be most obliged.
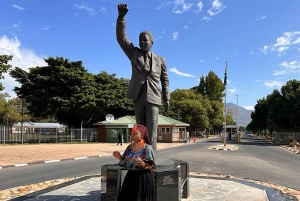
(170, 176)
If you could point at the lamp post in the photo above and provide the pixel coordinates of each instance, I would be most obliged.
(81, 131)
(237, 109)
(22, 134)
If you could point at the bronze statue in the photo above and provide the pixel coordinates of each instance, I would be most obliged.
(148, 69)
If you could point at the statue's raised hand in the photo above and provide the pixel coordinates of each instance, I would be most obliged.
(122, 9)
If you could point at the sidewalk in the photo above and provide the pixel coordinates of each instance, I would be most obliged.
(88, 189)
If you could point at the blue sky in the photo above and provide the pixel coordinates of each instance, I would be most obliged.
(260, 40)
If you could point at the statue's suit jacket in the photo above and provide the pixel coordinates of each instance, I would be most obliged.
(157, 74)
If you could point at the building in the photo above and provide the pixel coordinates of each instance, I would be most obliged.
(35, 127)
(168, 130)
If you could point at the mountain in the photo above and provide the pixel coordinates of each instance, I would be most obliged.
(244, 116)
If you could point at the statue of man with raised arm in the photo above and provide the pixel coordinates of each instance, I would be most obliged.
(148, 69)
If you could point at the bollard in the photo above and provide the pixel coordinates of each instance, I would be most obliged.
(194, 139)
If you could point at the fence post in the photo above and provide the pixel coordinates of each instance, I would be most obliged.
(4, 136)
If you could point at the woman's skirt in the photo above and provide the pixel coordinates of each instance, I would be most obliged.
(138, 185)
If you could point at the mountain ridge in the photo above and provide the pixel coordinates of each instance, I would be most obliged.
(244, 115)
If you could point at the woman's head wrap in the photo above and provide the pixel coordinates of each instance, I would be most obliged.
(144, 132)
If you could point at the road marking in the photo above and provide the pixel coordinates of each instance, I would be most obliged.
(19, 165)
(52, 161)
(79, 158)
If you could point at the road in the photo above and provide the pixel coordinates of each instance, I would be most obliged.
(255, 159)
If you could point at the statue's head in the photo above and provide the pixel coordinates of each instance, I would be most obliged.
(146, 41)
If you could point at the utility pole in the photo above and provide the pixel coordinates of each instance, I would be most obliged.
(22, 134)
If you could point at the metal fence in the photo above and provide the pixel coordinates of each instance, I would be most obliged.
(48, 135)
(285, 137)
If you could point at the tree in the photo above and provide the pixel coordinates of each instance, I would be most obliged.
(4, 66)
(260, 115)
(279, 111)
(190, 107)
(10, 110)
(291, 105)
(274, 102)
(66, 91)
(212, 87)
(111, 96)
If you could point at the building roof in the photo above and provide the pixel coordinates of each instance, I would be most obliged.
(39, 125)
(162, 120)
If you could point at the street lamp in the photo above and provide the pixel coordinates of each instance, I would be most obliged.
(81, 131)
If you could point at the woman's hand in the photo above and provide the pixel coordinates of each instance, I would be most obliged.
(140, 162)
(117, 155)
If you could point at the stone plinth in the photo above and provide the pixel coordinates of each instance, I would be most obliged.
(170, 176)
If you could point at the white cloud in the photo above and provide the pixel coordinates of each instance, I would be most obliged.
(159, 37)
(86, 7)
(202, 60)
(47, 27)
(186, 27)
(291, 65)
(174, 70)
(23, 58)
(216, 8)
(102, 10)
(175, 35)
(264, 50)
(16, 25)
(232, 90)
(296, 41)
(251, 53)
(248, 107)
(163, 5)
(284, 40)
(206, 18)
(283, 43)
(199, 7)
(282, 49)
(18, 7)
(282, 72)
(273, 84)
(263, 17)
(181, 6)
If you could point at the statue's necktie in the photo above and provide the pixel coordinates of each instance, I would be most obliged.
(147, 62)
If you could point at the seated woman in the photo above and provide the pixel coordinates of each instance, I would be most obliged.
(138, 183)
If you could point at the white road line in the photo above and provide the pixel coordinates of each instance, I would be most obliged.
(52, 161)
(79, 158)
(19, 165)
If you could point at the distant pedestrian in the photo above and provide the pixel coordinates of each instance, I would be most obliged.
(124, 138)
(119, 139)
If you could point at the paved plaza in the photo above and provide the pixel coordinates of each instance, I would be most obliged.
(88, 189)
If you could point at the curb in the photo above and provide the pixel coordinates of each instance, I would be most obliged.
(289, 149)
(51, 161)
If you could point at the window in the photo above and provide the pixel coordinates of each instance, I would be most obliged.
(158, 130)
(165, 130)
